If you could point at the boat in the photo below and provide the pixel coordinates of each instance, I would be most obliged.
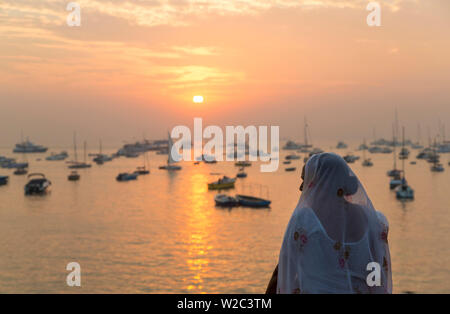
(126, 176)
(20, 171)
(395, 181)
(142, 171)
(28, 147)
(170, 161)
(436, 167)
(37, 185)
(290, 169)
(100, 158)
(12, 164)
(288, 162)
(292, 157)
(341, 145)
(4, 180)
(160, 146)
(241, 173)
(225, 200)
(56, 157)
(367, 162)
(243, 163)
(222, 184)
(250, 201)
(413, 163)
(290, 145)
(349, 158)
(76, 164)
(404, 153)
(395, 173)
(73, 176)
(404, 191)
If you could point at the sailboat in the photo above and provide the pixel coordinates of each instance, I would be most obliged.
(436, 167)
(306, 146)
(170, 162)
(143, 170)
(395, 173)
(101, 158)
(76, 164)
(367, 162)
(404, 191)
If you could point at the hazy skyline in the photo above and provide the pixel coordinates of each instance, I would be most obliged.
(133, 67)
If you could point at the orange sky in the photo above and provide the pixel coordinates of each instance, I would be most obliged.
(133, 67)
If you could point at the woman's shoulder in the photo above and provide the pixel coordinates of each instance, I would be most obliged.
(305, 217)
(382, 219)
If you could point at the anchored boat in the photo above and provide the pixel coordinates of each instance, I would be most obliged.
(37, 185)
(225, 200)
(222, 184)
(4, 180)
(250, 201)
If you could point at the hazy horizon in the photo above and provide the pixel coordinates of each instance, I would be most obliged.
(132, 68)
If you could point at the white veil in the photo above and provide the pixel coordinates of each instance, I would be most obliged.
(333, 234)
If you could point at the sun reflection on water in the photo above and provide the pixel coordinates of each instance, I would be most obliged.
(199, 225)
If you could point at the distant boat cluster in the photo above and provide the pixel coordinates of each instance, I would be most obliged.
(39, 184)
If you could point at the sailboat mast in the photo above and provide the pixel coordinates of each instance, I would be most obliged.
(403, 147)
(75, 146)
(395, 147)
(84, 151)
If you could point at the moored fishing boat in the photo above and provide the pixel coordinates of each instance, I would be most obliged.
(222, 184)
(225, 200)
(250, 201)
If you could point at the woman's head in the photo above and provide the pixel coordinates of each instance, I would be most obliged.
(335, 194)
(329, 171)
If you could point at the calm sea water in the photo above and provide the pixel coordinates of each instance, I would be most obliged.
(163, 233)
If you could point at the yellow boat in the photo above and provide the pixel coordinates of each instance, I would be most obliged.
(222, 184)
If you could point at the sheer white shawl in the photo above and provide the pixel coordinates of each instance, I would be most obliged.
(333, 235)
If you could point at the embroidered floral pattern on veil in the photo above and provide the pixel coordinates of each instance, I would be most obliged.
(300, 238)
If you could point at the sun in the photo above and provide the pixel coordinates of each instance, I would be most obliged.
(198, 99)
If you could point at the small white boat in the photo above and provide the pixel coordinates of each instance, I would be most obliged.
(170, 161)
(225, 200)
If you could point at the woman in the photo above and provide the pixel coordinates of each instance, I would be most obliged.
(333, 235)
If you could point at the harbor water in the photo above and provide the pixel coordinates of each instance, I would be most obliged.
(164, 234)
